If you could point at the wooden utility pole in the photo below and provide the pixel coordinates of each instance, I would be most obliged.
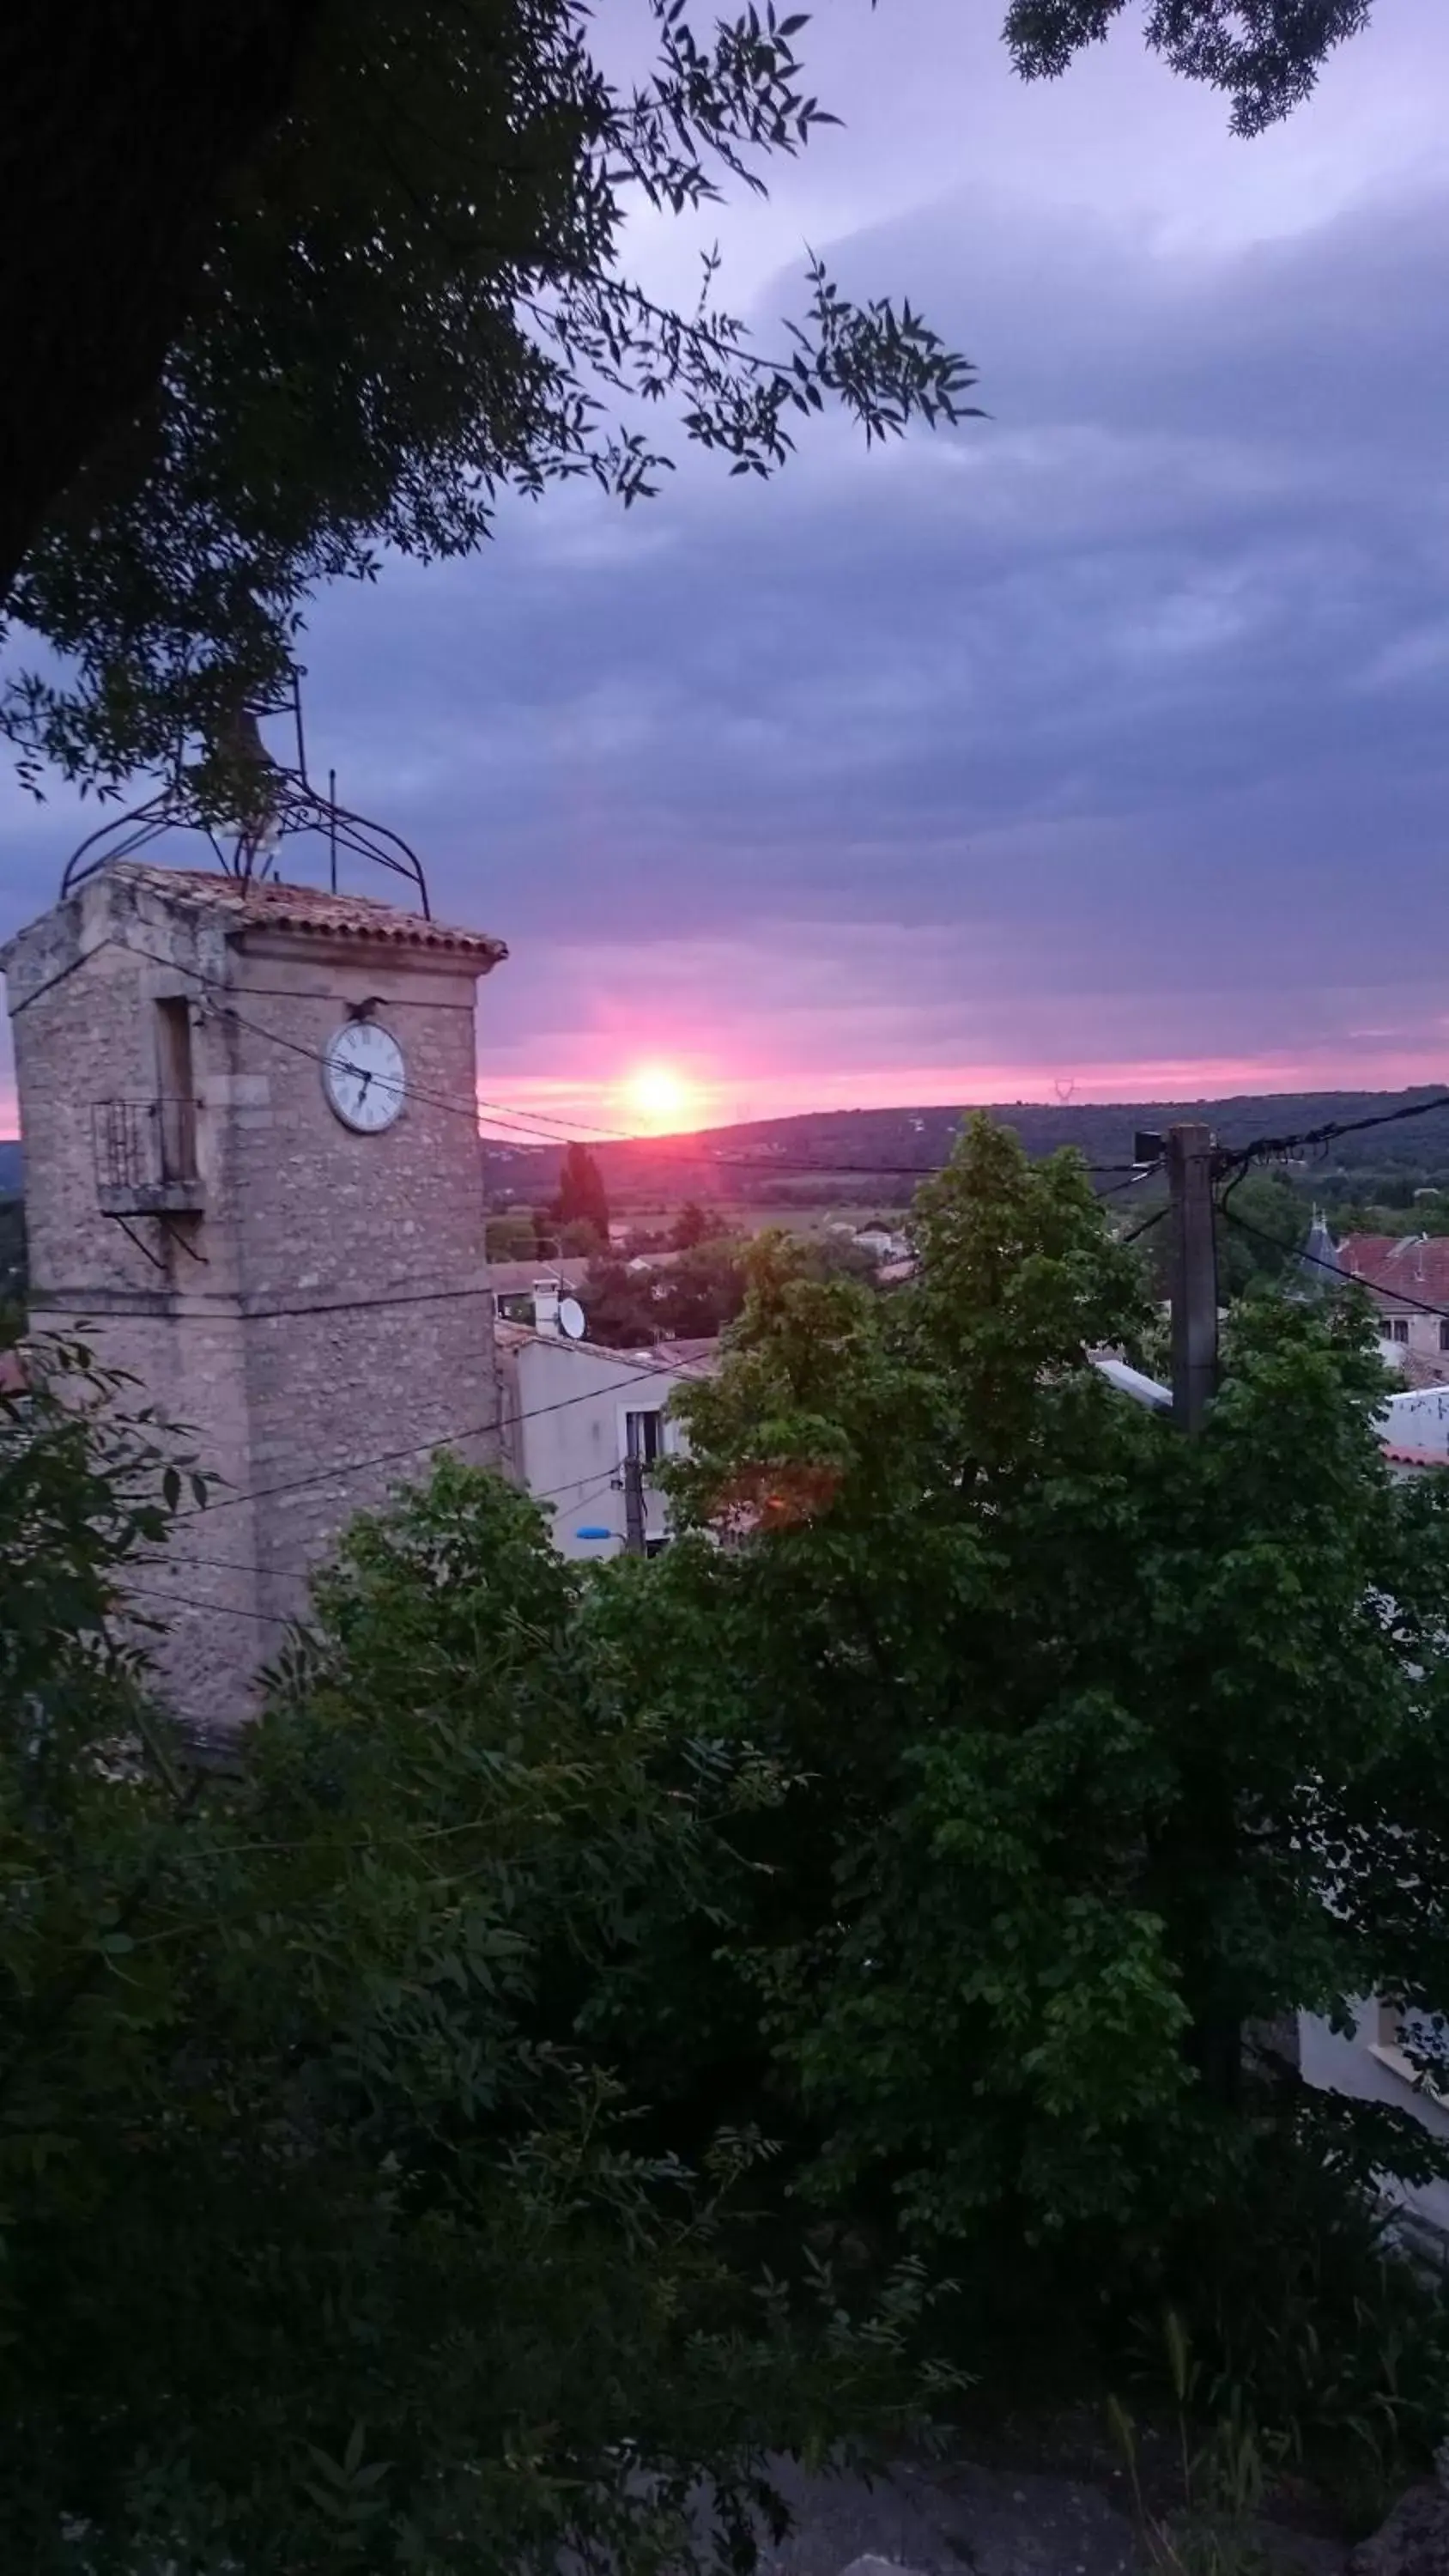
(1190, 1152)
(633, 1503)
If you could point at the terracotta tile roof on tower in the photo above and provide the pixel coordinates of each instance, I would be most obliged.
(1399, 1265)
(270, 905)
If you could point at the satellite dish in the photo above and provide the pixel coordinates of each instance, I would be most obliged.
(571, 1318)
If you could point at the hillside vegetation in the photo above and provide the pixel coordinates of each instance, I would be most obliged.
(872, 1153)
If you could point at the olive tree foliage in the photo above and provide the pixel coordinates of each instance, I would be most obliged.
(1266, 54)
(330, 2237)
(396, 289)
(1113, 1749)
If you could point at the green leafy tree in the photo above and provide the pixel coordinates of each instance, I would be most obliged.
(14, 1270)
(581, 1238)
(322, 282)
(1261, 1227)
(330, 2238)
(582, 1198)
(1266, 54)
(1114, 1748)
(619, 1306)
(839, 1256)
(703, 1290)
(511, 1236)
(693, 1225)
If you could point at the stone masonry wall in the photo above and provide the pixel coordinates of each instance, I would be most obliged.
(378, 1240)
(327, 1306)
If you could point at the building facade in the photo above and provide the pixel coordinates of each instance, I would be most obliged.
(253, 1180)
(1408, 1277)
(573, 1414)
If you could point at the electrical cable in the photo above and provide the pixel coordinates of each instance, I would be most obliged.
(764, 1162)
(293, 1574)
(1345, 1278)
(184, 1601)
(1257, 1150)
(1145, 1227)
(445, 1439)
(1136, 1174)
(1263, 1147)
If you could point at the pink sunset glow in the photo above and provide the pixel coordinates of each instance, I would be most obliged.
(605, 1106)
(708, 1096)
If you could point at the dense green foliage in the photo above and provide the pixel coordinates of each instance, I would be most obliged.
(330, 2236)
(961, 1805)
(511, 1236)
(14, 1270)
(695, 1225)
(1262, 1225)
(1266, 54)
(413, 299)
(1092, 1723)
(581, 1198)
(862, 1157)
(691, 1297)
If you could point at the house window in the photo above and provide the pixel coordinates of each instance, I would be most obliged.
(1398, 1328)
(1444, 1332)
(655, 1546)
(644, 1435)
(176, 1082)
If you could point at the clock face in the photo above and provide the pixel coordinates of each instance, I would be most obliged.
(363, 1076)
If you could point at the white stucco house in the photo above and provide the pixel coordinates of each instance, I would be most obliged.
(1369, 2065)
(572, 1412)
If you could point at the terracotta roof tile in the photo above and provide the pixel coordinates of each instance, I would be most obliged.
(267, 904)
(1405, 1265)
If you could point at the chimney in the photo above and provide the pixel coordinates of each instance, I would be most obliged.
(546, 1294)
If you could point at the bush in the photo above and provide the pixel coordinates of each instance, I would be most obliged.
(1109, 1747)
(330, 2237)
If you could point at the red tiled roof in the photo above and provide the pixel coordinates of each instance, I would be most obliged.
(1404, 1265)
(270, 905)
(1412, 1457)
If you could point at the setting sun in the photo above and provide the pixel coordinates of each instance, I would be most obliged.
(660, 1097)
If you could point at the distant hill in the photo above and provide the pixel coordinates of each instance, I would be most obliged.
(11, 1169)
(873, 1153)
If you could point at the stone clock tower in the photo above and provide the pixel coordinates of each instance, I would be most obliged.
(253, 1176)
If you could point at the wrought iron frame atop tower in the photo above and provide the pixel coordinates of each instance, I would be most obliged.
(289, 803)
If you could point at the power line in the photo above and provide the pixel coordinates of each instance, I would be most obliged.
(1147, 1223)
(1345, 1278)
(185, 1601)
(297, 1574)
(497, 1113)
(445, 1440)
(1263, 1147)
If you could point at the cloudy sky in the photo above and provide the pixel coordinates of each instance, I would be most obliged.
(1100, 743)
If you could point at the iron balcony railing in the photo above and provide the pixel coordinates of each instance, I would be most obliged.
(145, 1155)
